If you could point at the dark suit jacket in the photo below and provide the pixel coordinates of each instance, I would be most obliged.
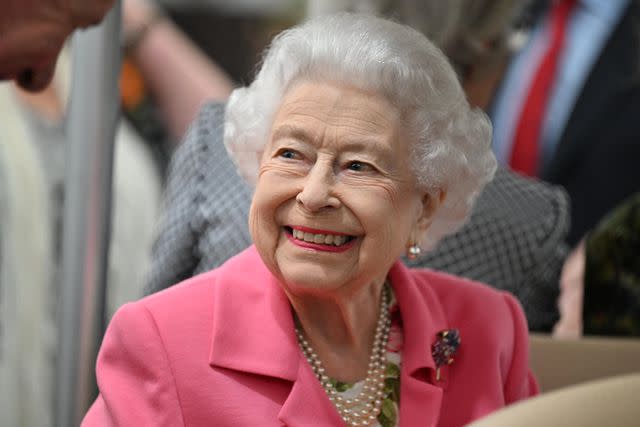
(598, 157)
(513, 240)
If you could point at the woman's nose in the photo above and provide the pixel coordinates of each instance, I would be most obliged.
(318, 189)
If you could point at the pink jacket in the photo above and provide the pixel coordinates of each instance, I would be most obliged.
(220, 350)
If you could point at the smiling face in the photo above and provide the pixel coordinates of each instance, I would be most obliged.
(335, 203)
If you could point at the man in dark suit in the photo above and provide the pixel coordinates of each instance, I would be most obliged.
(589, 140)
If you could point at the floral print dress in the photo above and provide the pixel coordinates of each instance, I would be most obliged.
(391, 404)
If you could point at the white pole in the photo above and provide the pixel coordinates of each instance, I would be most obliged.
(93, 114)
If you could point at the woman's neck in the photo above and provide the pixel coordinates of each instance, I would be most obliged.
(341, 329)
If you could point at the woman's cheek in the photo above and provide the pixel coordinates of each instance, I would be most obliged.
(264, 235)
(377, 197)
(254, 222)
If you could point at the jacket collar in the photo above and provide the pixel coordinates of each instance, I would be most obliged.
(253, 332)
(422, 319)
(253, 329)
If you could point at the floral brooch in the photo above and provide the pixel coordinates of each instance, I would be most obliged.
(444, 348)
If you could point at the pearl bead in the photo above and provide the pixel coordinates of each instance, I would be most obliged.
(362, 409)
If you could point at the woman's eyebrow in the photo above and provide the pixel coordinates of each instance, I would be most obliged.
(371, 145)
(293, 132)
(368, 145)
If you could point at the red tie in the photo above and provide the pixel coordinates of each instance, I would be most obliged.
(525, 150)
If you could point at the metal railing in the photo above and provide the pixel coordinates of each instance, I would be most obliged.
(91, 126)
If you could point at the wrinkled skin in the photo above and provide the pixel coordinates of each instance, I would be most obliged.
(32, 33)
(336, 161)
(336, 164)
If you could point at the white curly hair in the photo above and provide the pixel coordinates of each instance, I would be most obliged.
(451, 141)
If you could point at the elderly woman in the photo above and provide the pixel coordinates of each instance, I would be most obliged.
(362, 147)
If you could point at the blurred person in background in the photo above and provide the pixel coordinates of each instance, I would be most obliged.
(566, 111)
(600, 282)
(567, 108)
(179, 76)
(33, 32)
(178, 56)
(165, 77)
(32, 193)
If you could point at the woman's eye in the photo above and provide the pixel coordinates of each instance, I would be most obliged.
(288, 154)
(358, 166)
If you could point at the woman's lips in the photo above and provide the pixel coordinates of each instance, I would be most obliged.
(321, 240)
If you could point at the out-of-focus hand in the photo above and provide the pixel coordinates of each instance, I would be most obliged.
(136, 14)
(32, 33)
(571, 295)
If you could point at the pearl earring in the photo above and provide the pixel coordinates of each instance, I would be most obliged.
(413, 251)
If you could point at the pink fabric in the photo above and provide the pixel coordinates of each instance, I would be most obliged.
(220, 349)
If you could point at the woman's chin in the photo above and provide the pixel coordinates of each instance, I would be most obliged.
(312, 278)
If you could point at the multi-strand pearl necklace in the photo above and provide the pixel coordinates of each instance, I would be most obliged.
(363, 409)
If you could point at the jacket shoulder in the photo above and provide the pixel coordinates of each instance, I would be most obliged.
(200, 290)
(469, 302)
(449, 286)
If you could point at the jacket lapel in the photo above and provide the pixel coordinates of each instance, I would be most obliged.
(422, 317)
(253, 332)
(308, 404)
(252, 323)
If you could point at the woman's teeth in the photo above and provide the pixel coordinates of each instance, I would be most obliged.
(326, 239)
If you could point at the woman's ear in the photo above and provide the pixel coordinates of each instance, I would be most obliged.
(431, 202)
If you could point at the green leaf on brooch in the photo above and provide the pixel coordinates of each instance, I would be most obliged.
(392, 389)
(392, 370)
(388, 415)
(340, 386)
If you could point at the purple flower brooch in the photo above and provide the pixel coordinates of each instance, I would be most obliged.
(444, 348)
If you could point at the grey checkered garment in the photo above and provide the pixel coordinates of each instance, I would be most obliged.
(514, 239)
